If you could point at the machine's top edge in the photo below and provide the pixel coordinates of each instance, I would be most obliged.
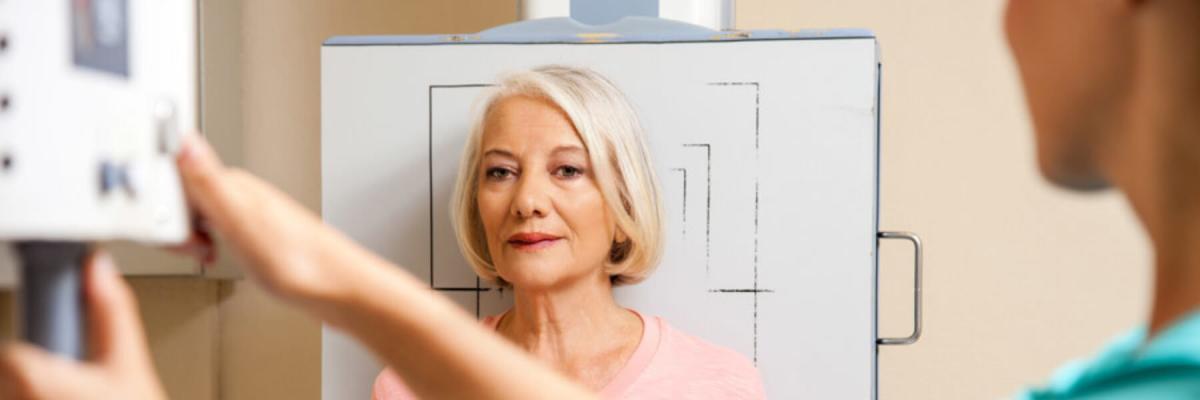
(628, 30)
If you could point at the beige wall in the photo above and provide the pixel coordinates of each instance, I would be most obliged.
(1020, 276)
(6, 316)
(182, 324)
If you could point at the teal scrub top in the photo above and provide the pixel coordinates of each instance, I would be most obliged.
(1168, 367)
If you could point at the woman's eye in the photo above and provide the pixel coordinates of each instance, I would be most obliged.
(568, 171)
(498, 173)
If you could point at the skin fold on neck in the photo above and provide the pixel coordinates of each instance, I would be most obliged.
(577, 327)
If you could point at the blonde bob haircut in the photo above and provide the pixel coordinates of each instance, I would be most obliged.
(613, 138)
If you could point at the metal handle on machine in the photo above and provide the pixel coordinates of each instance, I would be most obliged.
(916, 332)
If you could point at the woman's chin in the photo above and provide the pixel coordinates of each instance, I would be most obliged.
(535, 275)
(532, 281)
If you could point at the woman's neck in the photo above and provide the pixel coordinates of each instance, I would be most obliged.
(571, 324)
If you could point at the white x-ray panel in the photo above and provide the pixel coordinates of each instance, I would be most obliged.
(766, 151)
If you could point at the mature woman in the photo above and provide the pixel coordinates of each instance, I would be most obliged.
(557, 200)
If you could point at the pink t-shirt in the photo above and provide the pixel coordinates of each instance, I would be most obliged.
(667, 364)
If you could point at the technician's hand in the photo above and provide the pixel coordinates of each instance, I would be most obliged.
(278, 241)
(118, 366)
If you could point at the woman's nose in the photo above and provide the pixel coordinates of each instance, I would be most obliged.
(531, 199)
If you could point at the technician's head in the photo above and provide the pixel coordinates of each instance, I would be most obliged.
(556, 185)
(1091, 69)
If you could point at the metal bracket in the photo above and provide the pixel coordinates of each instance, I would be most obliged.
(916, 332)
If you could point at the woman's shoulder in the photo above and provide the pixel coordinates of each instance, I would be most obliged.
(389, 386)
(704, 365)
(685, 344)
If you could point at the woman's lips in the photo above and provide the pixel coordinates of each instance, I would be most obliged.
(532, 241)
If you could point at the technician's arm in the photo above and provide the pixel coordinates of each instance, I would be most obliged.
(438, 349)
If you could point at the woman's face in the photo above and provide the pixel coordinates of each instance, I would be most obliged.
(545, 219)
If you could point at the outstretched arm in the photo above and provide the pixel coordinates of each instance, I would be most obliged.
(439, 350)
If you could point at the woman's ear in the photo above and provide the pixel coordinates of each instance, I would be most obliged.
(620, 248)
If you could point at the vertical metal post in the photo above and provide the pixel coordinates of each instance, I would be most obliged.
(51, 296)
(713, 14)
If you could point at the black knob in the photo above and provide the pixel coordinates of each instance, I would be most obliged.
(115, 176)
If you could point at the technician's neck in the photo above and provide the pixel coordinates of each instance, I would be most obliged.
(556, 321)
(1173, 222)
(1158, 161)
(1160, 178)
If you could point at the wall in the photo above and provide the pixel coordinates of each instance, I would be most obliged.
(1020, 276)
(7, 330)
(181, 321)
